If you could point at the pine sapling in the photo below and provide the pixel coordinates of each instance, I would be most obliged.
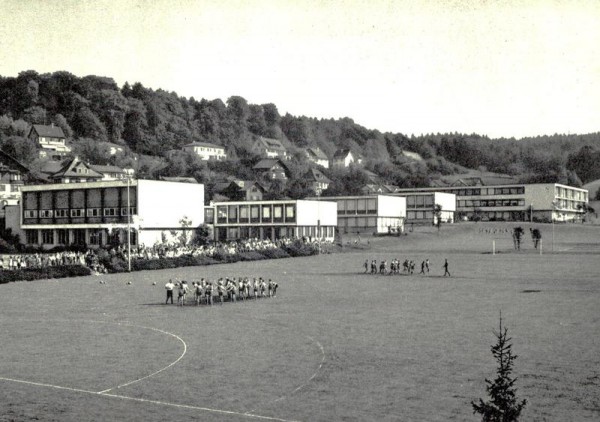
(503, 405)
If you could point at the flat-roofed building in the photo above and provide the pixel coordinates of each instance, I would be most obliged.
(377, 214)
(273, 219)
(99, 213)
(542, 202)
(420, 207)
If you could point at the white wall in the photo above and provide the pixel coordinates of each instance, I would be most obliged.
(163, 204)
(309, 212)
(391, 206)
(446, 200)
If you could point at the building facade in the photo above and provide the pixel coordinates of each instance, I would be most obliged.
(12, 175)
(378, 214)
(420, 207)
(100, 213)
(206, 151)
(317, 156)
(343, 158)
(270, 148)
(543, 202)
(272, 219)
(51, 140)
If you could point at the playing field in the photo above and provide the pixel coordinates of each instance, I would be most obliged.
(336, 344)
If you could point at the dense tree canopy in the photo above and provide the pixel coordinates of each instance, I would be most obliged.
(150, 124)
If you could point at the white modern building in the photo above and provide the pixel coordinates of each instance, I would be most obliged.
(420, 207)
(544, 202)
(378, 214)
(206, 151)
(100, 213)
(273, 219)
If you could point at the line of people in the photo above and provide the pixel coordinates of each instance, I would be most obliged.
(228, 289)
(407, 267)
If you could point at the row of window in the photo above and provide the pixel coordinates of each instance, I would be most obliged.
(516, 190)
(252, 214)
(61, 236)
(419, 215)
(9, 188)
(565, 204)
(369, 205)
(280, 232)
(419, 201)
(79, 212)
(491, 203)
(570, 193)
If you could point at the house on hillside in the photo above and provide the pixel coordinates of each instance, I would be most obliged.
(69, 171)
(379, 189)
(178, 179)
(317, 156)
(344, 158)
(271, 148)
(12, 173)
(51, 140)
(206, 151)
(318, 181)
(112, 148)
(110, 172)
(272, 169)
(243, 190)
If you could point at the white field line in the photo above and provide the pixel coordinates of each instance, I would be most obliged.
(157, 402)
(156, 372)
(308, 380)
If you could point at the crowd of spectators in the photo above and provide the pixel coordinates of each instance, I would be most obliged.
(41, 260)
(157, 251)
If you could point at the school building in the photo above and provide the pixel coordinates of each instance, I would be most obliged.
(378, 214)
(420, 207)
(272, 219)
(542, 202)
(101, 213)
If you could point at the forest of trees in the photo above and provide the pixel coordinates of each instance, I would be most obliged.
(94, 110)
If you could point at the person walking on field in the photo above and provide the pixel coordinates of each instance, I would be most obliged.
(422, 267)
(446, 272)
(366, 266)
(169, 287)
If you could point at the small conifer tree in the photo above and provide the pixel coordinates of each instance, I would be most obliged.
(503, 405)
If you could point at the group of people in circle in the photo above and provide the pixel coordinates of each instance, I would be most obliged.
(228, 289)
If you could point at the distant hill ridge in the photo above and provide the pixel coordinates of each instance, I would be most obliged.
(92, 110)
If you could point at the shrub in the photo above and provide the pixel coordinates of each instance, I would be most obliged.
(29, 274)
(251, 256)
(298, 248)
(274, 253)
(6, 247)
(225, 257)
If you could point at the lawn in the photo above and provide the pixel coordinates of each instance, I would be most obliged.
(335, 344)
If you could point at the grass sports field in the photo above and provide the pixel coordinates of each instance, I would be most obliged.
(335, 344)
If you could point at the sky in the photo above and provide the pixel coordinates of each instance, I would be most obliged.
(496, 68)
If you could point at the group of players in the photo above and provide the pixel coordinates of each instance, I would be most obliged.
(407, 267)
(228, 289)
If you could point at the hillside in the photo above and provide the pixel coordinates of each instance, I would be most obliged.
(94, 111)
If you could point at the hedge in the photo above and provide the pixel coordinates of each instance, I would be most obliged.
(28, 274)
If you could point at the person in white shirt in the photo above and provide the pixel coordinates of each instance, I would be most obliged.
(169, 287)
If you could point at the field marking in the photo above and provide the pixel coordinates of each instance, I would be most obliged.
(156, 372)
(157, 402)
(308, 380)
